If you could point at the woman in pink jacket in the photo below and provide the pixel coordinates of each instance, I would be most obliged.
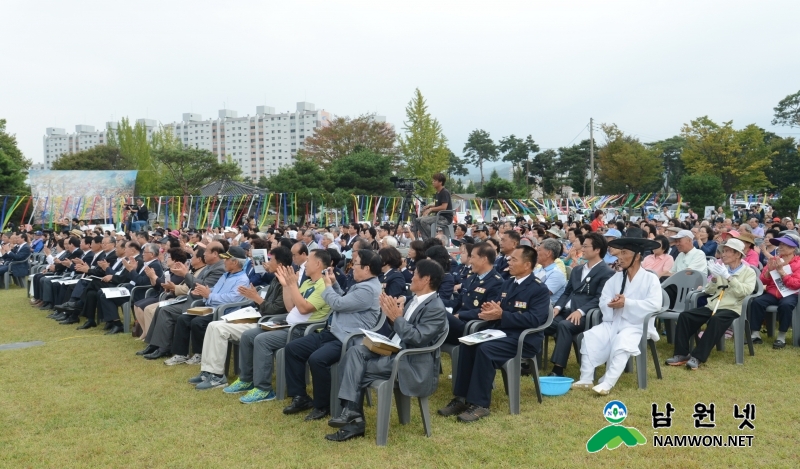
(781, 279)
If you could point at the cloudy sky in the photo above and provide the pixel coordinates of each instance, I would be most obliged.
(524, 67)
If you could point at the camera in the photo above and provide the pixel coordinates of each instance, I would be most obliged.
(407, 185)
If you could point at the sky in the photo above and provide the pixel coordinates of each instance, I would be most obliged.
(539, 68)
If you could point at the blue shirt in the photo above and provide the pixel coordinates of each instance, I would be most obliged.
(226, 289)
(553, 279)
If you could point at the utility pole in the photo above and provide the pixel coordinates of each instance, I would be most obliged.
(591, 151)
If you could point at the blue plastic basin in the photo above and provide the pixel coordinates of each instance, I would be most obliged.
(555, 385)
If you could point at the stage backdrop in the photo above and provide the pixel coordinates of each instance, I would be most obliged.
(59, 194)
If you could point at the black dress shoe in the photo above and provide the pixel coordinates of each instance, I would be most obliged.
(157, 354)
(108, 326)
(60, 316)
(68, 304)
(758, 340)
(299, 404)
(86, 325)
(52, 315)
(69, 320)
(348, 416)
(346, 433)
(46, 306)
(318, 414)
(115, 329)
(147, 350)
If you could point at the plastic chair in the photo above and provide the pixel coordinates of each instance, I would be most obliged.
(591, 321)
(21, 280)
(453, 351)
(741, 327)
(512, 369)
(445, 228)
(127, 307)
(687, 282)
(385, 388)
(280, 355)
(233, 349)
(644, 343)
(772, 312)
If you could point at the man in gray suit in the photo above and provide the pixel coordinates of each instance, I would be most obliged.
(581, 295)
(421, 324)
(357, 309)
(162, 328)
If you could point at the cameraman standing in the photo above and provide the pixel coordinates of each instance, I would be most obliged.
(443, 202)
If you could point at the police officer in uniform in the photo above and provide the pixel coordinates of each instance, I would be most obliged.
(524, 305)
(483, 285)
(392, 281)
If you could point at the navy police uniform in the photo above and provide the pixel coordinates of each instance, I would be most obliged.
(467, 303)
(501, 266)
(393, 283)
(525, 306)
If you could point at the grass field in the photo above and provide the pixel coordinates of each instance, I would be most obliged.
(85, 400)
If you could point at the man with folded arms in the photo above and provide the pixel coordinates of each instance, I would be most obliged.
(581, 295)
(420, 324)
(525, 304)
(226, 290)
(162, 327)
(358, 309)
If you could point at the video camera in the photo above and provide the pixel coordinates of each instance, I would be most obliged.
(407, 185)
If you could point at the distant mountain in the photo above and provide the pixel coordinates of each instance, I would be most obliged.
(503, 169)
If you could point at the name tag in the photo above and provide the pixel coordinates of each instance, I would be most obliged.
(520, 304)
(503, 295)
(480, 290)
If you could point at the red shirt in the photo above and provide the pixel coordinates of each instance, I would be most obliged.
(791, 281)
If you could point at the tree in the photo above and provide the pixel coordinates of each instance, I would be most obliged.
(480, 148)
(783, 171)
(99, 158)
(470, 189)
(670, 153)
(788, 203)
(573, 165)
(457, 166)
(364, 172)
(305, 178)
(702, 190)
(517, 152)
(134, 146)
(498, 188)
(13, 164)
(543, 171)
(189, 169)
(787, 112)
(345, 135)
(626, 165)
(423, 147)
(739, 158)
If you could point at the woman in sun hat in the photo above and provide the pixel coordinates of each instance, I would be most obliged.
(750, 254)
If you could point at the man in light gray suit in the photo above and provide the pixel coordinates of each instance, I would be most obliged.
(162, 327)
(421, 324)
(357, 309)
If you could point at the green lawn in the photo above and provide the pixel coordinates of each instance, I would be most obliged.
(85, 400)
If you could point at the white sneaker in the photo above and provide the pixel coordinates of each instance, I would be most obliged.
(195, 360)
(601, 390)
(176, 360)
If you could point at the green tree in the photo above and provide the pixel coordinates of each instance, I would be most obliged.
(517, 152)
(573, 165)
(499, 188)
(470, 189)
(134, 146)
(305, 178)
(186, 170)
(788, 203)
(364, 172)
(457, 166)
(739, 158)
(626, 165)
(783, 171)
(670, 153)
(423, 147)
(787, 112)
(13, 164)
(345, 135)
(701, 190)
(543, 171)
(99, 158)
(480, 148)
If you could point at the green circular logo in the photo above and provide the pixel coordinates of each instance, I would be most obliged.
(615, 412)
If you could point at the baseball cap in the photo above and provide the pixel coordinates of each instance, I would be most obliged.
(683, 234)
(37, 233)
(235, 252)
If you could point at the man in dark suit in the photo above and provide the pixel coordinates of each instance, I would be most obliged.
(99, 267)
(420, 324)
(20, 252)
(66, 267)
(135, 276)
(483, 285)
(140, 219)
(508, 242)
(62, 292)
(581, 295)
(525, 305)
(353, 230)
